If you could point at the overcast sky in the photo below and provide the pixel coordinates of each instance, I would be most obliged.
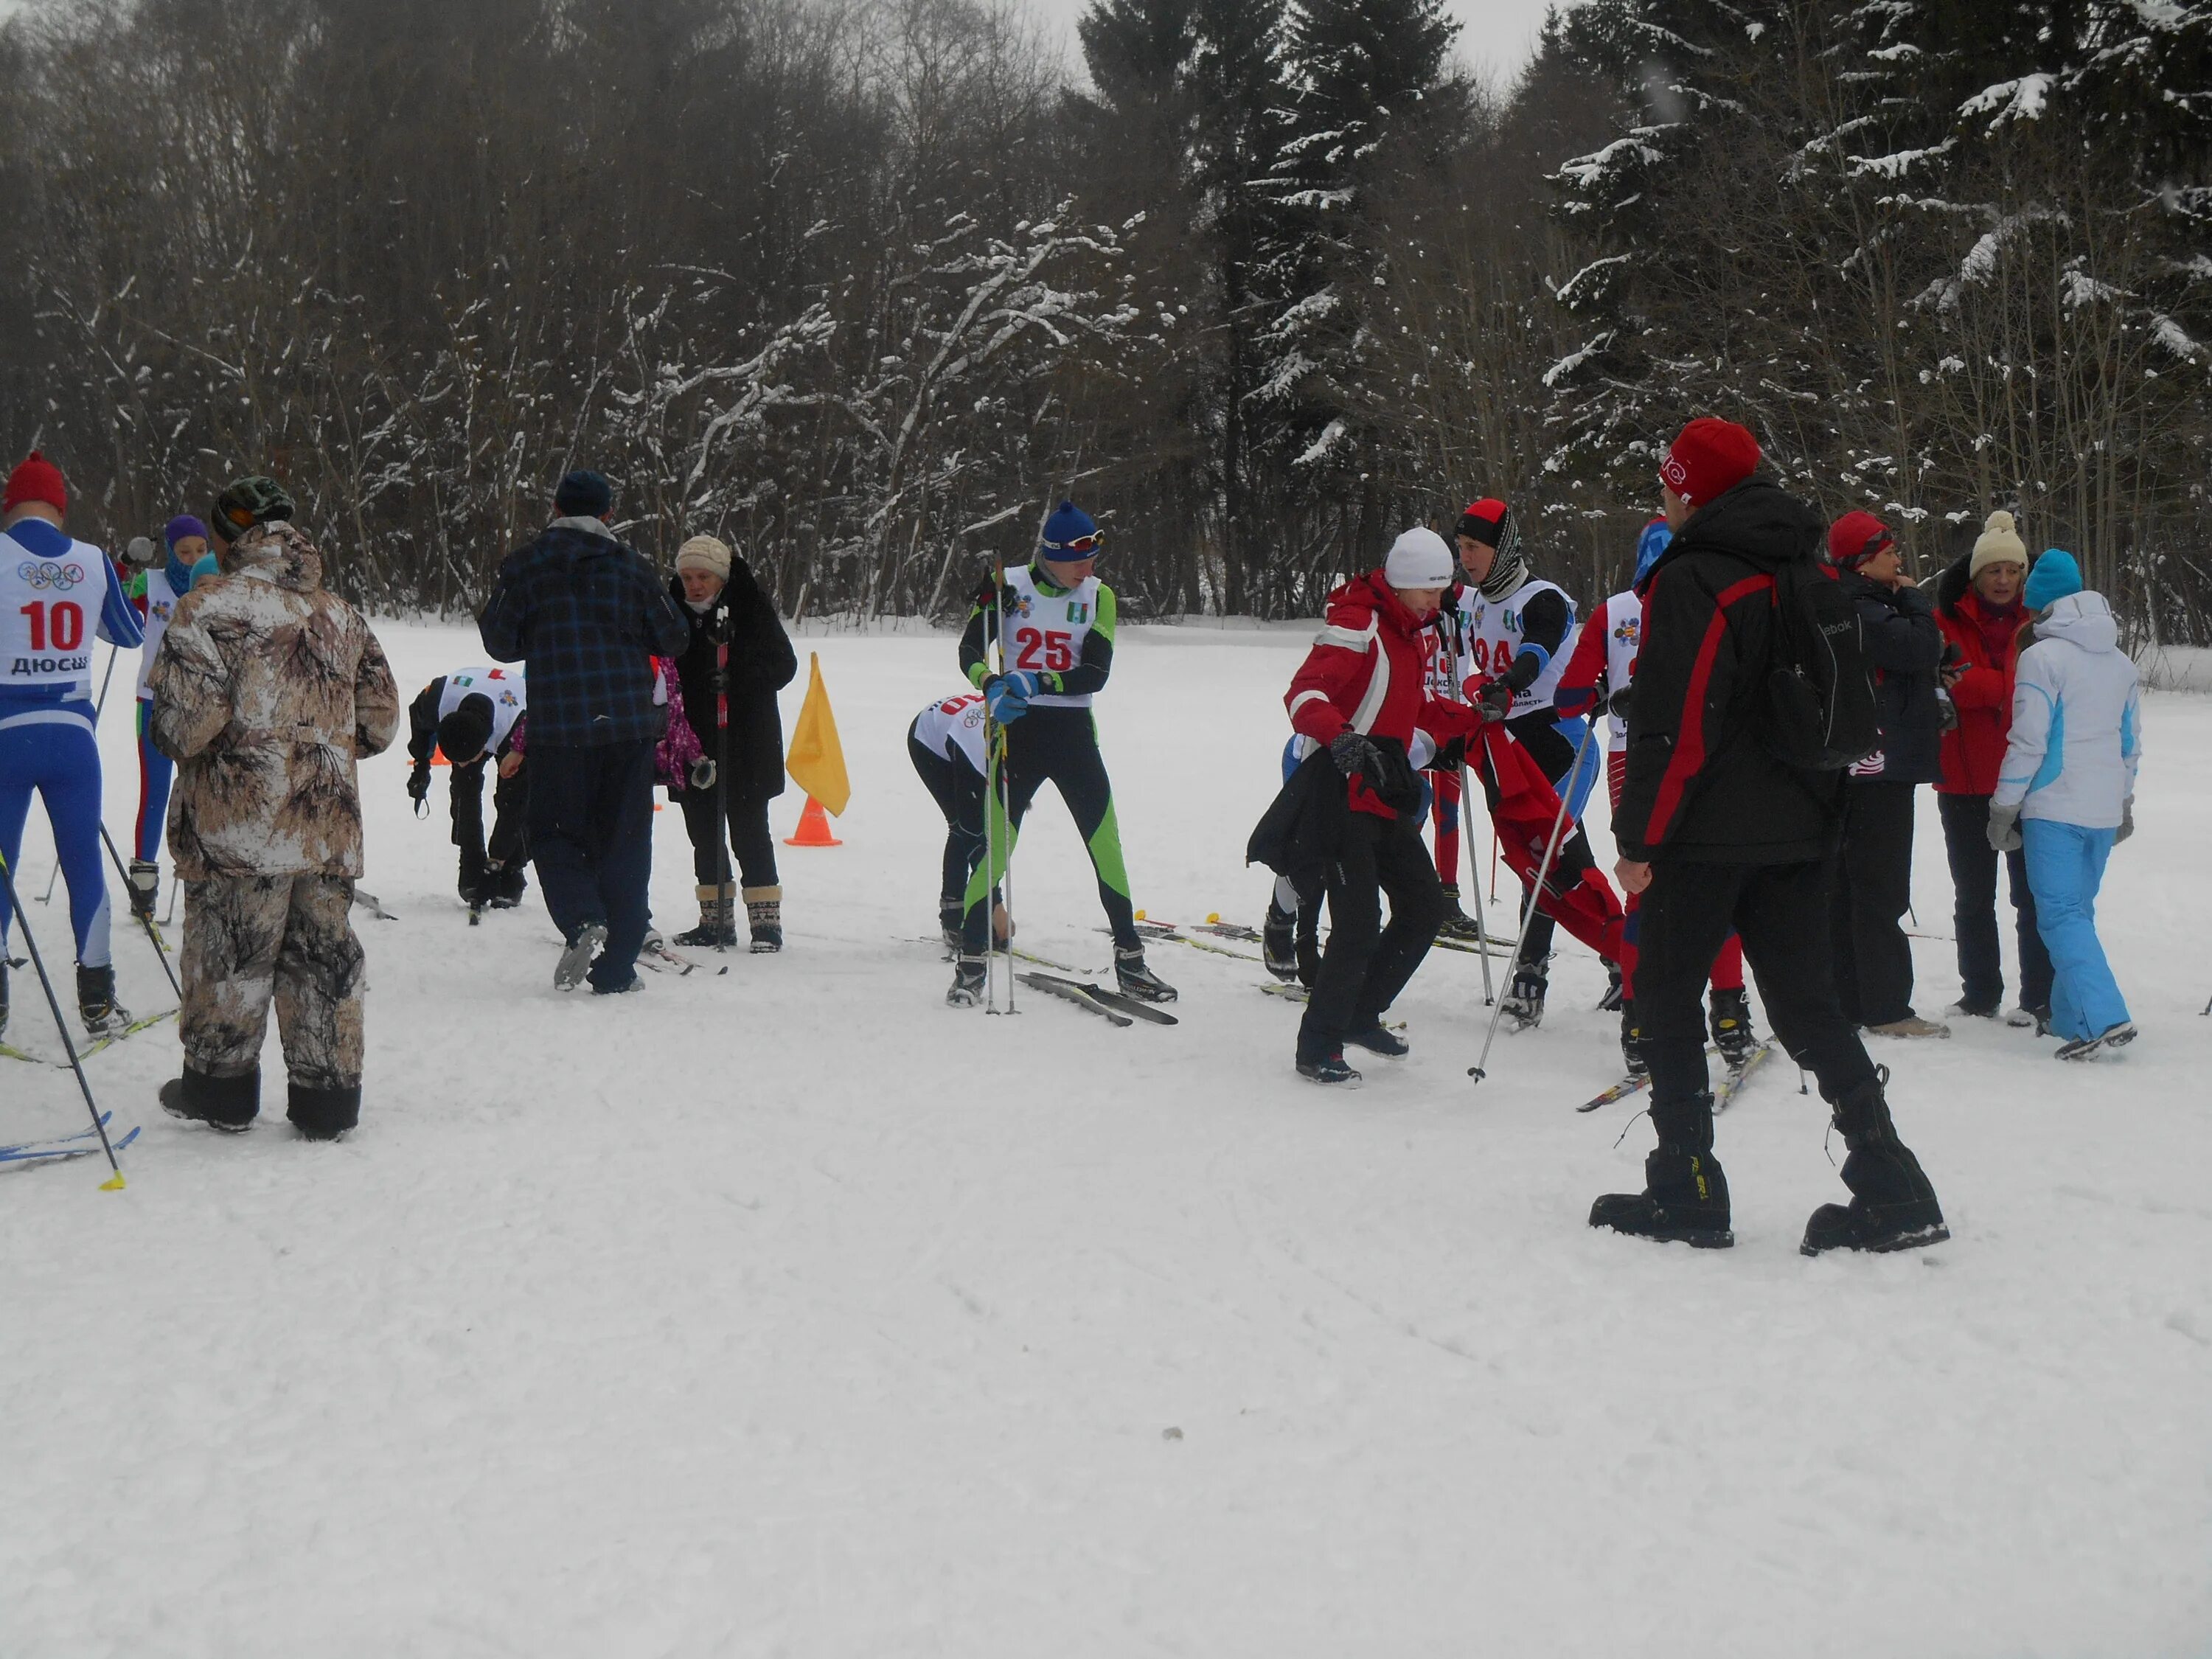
(1494, 34)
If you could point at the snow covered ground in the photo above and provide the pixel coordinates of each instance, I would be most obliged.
(788, 1311)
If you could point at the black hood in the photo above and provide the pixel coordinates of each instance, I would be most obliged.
(1757, 521)
(1951, 586)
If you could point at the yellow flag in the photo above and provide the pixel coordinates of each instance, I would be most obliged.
(817, 760)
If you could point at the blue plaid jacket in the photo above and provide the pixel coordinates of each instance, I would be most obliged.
(588, 615)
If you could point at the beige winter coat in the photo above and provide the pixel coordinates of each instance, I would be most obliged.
(265, 691)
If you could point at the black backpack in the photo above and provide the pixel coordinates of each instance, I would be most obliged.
(1820, 683)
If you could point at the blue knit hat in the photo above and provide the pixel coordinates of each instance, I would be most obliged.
(583, 494)
(1067, 530)
(1649, 546)
(2054, 577)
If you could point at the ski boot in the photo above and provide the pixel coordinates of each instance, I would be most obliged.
(576, 960)
(1327, 1068)
(1132, 979)
(967, 984)
(1730, 1024)
(96, 1002)
(1632, 1046)
(1278, 942)
(145, 885)
(2112, 1036)
(1378, 1039)
(716, 930)
(1893, 1204)
(950, 913)
(2024, 1019)
(505, 884)
(1610, 1003)
(764, 914)
(228, 1104)
(1457, 924)
(1523, 1002)
(1685, 1199)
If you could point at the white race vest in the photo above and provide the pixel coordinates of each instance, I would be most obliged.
(49, 610)
(161, 605)
(956, 720)
(1622, 618)
(1045, 633)
(1491, 630)
(504, 686)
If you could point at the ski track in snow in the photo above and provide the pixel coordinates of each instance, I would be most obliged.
(791, 1312)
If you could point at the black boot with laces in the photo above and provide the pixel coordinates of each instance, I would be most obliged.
(1893, 1204)
(1685, 1199)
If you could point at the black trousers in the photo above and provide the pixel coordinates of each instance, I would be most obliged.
(1060, 746)
(510, 829)
(1974, 909)
(751, 838)
(1873, 889)
(1548, 746)
(1686, 912)
(958, 789)
(591, 827)
(1367, 964)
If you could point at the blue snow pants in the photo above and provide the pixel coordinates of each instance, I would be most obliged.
(157, 771)
(50, 747)
(2065, 867)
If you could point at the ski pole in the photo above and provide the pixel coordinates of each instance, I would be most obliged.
(144, 921)
(724, 937)
(114, 1183)
(99, 703)
(1005, 882)
(1460, 678)
(1481, 927)
(1529, 915)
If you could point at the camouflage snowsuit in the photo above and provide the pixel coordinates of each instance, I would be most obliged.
(266, 689)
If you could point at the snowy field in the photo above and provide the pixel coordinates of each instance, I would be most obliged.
(788, 1311)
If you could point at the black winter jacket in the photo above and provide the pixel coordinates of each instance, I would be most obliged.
(761, 662)
(1702, 785)
(1904, 641)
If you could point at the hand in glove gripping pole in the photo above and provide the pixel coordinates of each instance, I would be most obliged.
(418, 788)
(1009, 694)
(1495, 700)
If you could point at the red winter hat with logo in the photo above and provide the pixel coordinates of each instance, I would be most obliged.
(37, 479)
(1856, 538)
(1710, 458)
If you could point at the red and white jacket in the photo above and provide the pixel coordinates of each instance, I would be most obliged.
(1367, 673)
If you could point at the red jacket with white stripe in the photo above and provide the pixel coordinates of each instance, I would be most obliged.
(1701, 785)
(1366, 672)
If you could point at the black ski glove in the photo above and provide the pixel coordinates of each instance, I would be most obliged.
(418, 788)
(1354, 753)
(1617, 704)
(1495, 700)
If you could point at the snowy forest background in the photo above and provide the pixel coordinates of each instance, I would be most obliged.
(861, 284)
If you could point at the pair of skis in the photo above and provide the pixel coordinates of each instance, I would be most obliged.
(1113, 1006)
(80, 1145)
(1725, 1092)
(107, 1040)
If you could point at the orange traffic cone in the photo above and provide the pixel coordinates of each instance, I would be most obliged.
(813, 828)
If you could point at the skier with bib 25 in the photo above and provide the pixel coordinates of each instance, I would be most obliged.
(1058, 653)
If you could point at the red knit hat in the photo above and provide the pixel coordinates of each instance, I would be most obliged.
(1856, 538)
(1485, 521)
(1709, 459)
(37, 479)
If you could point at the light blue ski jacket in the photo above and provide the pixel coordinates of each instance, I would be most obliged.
(2076, 720)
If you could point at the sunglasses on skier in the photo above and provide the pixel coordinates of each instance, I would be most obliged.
(1081, 548)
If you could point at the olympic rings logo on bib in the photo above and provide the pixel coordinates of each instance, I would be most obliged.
(60, 577)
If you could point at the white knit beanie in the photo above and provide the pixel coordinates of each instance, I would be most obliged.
(1998, 543)
(704, 553)
(1418, 559)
